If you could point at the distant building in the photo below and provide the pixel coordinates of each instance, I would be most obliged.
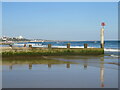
(10, 39)
(20, 37)
(4, 38)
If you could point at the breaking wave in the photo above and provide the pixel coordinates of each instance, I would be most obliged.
(112, 50)
(115, 56)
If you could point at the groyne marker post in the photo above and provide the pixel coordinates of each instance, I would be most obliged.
(24, 45)
(30, 46)
(102, 35)
(10, 45)
(85, 45)
(49, 46)
(68, 45)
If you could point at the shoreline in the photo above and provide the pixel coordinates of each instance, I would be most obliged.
(9, 43)
(50, 59)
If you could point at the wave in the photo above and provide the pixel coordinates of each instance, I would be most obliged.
(27, 44)
(18, 44)
(53, 46)
(114, 55)
(66, 46)
(70, 47)
(57, 46)
(112, 50)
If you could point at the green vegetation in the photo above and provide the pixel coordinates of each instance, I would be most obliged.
(56, 52)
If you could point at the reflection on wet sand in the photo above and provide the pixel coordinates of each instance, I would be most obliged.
(102, 72)
(49, 65)
(30, 66)
(10, 67)
(68, 65)
(85, 63)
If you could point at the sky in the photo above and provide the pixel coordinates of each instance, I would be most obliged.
(60, 20)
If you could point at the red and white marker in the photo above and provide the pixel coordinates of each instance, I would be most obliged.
(102, 35)
(103, 24)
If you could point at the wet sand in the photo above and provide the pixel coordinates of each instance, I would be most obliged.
(61, 72)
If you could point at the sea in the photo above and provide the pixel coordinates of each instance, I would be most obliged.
(63, 71)
(111, 47)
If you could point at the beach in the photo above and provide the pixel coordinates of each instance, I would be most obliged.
(62, 71)
(71, 44)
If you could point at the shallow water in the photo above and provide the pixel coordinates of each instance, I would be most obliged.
(61, 72)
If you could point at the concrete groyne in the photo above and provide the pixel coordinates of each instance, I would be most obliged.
(8, 51)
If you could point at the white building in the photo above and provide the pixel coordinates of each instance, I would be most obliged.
(20, 37)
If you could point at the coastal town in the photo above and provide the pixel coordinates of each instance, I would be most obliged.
(57, 44)
(6, 40)
(10, 40)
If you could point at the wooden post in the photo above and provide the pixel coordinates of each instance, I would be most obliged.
(85, 45)
(68, 45)
(10, 45)
(49, 45)
(30, 46)
(102, 37)
(24, 45)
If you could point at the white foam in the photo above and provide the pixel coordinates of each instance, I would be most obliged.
(112, 50)
(70, 47)
(59, 46)
(44, 46)
(18, 44)
(114, 55)
(76, 47)
(40, 45)
(80, 47)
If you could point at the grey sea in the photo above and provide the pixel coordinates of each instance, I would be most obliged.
(63, 71)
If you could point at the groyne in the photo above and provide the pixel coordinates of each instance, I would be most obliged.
(49, 51)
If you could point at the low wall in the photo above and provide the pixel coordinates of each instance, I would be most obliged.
(14, 49)
(7, 51)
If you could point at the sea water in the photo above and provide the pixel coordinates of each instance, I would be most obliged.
(111, 47)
